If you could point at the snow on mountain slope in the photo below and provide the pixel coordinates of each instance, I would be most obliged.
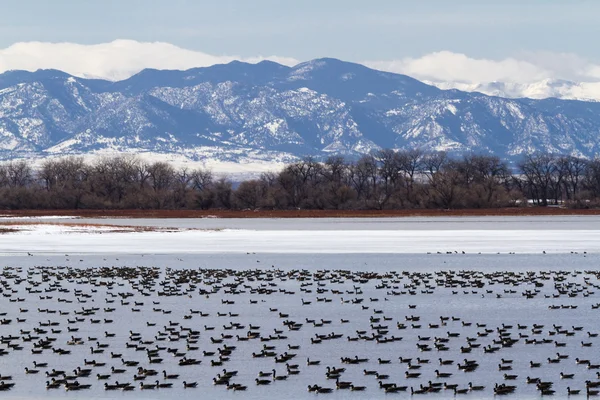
(266, 112)
(547, 88)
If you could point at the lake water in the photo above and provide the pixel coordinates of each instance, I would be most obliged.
(260, 256)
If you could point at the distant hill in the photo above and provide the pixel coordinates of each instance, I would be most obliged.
(266, 111)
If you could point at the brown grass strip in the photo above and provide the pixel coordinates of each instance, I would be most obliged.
(523, 211)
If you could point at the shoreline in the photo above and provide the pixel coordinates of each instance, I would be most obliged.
(170, 214)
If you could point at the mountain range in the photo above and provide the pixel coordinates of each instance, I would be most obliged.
(240, 112)
(556, 88)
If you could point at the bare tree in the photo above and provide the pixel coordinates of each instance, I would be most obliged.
(539, 171)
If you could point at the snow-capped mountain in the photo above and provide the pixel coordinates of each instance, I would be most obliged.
(241, 112)
(547, 88)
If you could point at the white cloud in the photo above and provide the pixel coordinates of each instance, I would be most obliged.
(446, 66)
(115, 60)
(534, 74)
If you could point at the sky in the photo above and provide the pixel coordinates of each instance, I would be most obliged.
(474, 40)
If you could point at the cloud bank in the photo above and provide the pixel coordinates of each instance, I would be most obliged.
(540, 74)
(114, 61)
(444, 66)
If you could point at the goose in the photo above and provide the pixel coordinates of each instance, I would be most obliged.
(418, 391)
(534, 364)
(147, 386)
(110, 387)
(566, 376)
(504, 367)
(442, 374)
(52, 385)
(187, 385)
(475, 388)
(572, 391)
(262, 381)
(278, 377)
(163, 385)
(342, 385)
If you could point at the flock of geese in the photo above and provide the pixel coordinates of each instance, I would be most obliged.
(149, 328)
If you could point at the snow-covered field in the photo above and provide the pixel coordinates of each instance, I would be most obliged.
(209, 237)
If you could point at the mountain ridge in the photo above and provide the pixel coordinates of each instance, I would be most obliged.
(240, 112)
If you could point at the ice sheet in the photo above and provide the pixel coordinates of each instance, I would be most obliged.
(49, 239)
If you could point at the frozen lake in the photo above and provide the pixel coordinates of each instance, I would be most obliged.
(282, 265)
(382, 235)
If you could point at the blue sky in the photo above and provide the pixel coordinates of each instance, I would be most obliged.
(461, 41)
(348, 29)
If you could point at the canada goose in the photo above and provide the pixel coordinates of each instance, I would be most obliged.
(418, 391)
(110, 387)
(52, 385)
(147, 386)
(170, 376)
(442, 374)
(278, 377)
(163, 385)
(187, 385)
(475, 388)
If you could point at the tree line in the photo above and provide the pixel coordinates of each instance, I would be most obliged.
(385, 179)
